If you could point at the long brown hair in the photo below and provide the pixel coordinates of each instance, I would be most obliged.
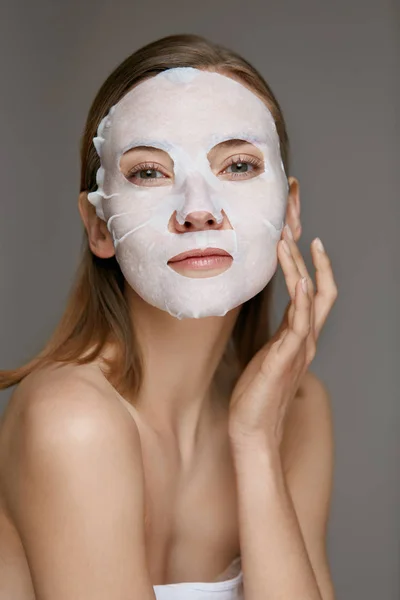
(96, 310)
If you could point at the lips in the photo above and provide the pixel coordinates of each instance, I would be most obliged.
(197, 253)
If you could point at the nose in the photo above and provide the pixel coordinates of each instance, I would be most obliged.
(198, 221)
(198, 211)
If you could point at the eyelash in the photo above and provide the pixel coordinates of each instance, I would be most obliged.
(254, 162)
(145, 167)
(242, 159)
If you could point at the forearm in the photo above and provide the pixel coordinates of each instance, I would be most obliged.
(274, 557)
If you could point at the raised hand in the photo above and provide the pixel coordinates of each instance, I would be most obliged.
(261, 397)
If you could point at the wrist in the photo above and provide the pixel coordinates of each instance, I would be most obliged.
(258, 469)
(255, 447)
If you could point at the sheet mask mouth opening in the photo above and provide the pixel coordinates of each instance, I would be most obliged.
(208, 262)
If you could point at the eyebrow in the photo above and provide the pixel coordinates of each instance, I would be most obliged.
(144, 148)
(231, 143)
(234, 142)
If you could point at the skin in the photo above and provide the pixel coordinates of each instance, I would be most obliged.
(154, 487)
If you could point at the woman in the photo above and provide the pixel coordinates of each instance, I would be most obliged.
(164, 444)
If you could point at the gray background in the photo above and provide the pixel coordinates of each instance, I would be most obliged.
(333, 68)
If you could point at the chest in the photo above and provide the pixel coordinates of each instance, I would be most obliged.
(191, 517)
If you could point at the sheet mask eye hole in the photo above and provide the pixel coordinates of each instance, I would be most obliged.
(236, 159)
(147, 165)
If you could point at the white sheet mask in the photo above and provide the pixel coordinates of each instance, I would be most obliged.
(186, 112)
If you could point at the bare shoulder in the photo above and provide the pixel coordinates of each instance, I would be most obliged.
(62, 409)
(67, 392)
(309, 421)
(73, 487)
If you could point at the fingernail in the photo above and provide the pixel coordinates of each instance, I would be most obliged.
(304, 284)
(319, 245)
(288, 231)
(286, 247)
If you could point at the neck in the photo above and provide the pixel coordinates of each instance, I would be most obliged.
(180, 357)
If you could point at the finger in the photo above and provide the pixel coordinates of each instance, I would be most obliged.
(284, 322)
(288, 236)
(302, 311)
(289, 267)
(300, 328)
(310, 284)
(304, 273)
(326, 286)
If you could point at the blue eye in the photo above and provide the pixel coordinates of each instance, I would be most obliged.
(240, 167)
(147, 174)
(243, 167)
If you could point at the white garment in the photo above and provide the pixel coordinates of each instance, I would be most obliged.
(228, 586)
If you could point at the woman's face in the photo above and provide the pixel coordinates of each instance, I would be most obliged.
(190, 164)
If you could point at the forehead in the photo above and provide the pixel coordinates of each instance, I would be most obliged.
(190, 108)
